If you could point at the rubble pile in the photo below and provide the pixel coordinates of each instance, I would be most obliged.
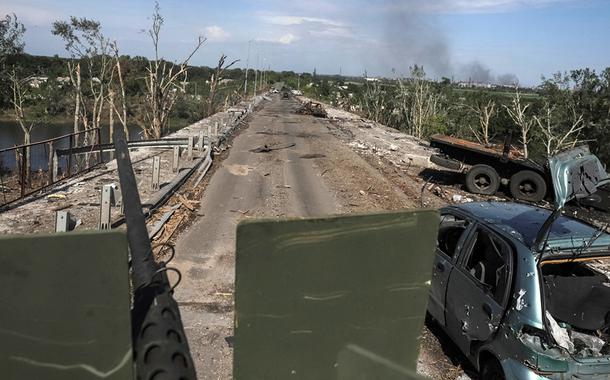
(312, 108)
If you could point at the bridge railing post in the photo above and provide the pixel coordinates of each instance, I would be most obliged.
(200, 143)
(156, 173)
(176, 160)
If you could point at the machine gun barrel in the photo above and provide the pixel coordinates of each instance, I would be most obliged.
(159, 342)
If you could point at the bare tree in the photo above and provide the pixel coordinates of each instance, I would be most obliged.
(484, 110)
(19, 88)
(420, 102)
(121, 110)
(557, 138)
(216, 79)
(518, 114)
(85, 41)
(163, 82)
(373, 101)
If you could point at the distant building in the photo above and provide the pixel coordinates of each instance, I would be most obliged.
(476, 85)
(36, 82)
(372, 79)
(62, 81)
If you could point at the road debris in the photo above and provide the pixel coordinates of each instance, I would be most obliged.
(189, 204)
(266, 149)
(312, 108)
(161, 222)
(56, 196)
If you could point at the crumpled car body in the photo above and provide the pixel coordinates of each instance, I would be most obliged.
(576, 173)
(517, 312)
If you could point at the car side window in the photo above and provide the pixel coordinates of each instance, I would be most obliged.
(489, 262)
(450, 231)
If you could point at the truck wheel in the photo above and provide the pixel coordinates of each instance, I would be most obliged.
(527, 185)
(446, 162)
(482, 179)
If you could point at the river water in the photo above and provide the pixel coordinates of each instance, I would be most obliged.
(11, 135)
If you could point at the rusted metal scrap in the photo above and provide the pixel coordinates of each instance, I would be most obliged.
(312, 108)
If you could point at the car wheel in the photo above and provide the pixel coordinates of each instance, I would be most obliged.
(492, 370)
(482, 179)
(527, 185)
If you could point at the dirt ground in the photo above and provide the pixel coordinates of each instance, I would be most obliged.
(316, 167)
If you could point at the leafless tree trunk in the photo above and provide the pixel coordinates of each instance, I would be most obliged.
(216, 79)
(556, 140)
(163, 81)
(75, 79)
(518, 114)
(484, 112)
(110, 113)
(85, 42)
(18, 87)
(122, 112)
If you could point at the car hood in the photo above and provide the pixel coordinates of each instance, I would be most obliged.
(576, 173)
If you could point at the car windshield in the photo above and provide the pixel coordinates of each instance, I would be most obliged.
(524, 221)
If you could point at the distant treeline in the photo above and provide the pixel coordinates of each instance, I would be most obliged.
(565, 110)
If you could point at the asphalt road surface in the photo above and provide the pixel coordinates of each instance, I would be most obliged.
(311, 172)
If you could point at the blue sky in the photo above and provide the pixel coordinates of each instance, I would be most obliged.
(459, 38)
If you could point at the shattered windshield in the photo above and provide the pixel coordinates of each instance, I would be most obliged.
(523, 222)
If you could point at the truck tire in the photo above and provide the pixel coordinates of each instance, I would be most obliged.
(446, 162)
(482, 179)
(527, 185)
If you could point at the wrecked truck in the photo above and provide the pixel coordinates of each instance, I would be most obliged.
(489, 167)
(520, 289)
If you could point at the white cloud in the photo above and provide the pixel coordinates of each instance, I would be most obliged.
(300, 20)
(216, 33)
(332, 32)
(287, 39)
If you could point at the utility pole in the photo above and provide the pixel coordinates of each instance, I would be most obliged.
(247, 69)
(299, 81)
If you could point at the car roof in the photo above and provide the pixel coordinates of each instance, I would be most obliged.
(523, 222)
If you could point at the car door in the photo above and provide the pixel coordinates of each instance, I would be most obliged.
(479, 287)
(451, 236)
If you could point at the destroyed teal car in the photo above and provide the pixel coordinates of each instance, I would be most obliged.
(523, 291)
